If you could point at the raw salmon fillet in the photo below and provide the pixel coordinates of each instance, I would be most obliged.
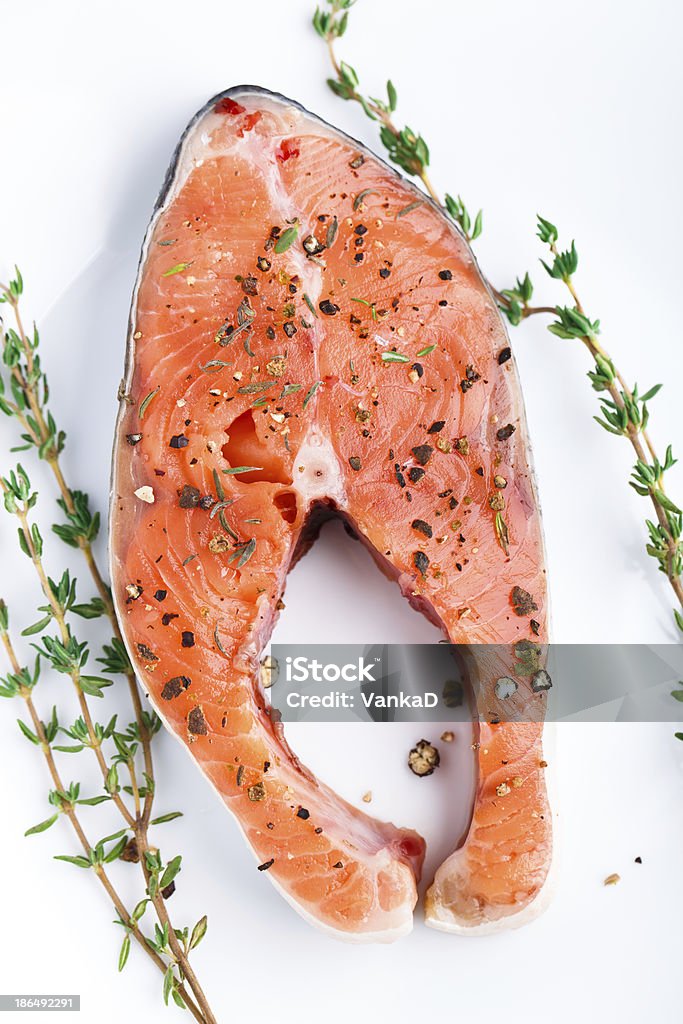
(303, 310)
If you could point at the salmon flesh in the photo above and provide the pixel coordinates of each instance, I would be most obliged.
(309, 332)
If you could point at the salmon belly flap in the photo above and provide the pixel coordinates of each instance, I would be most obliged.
(309, 331)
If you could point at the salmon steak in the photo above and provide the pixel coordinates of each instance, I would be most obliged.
(311, 336)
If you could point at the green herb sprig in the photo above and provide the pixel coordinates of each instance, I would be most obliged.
(623, 411)
(123, 754)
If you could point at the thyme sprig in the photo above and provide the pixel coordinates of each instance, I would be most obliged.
(623, 411)
(123, 755)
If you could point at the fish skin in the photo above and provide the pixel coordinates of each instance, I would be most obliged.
(225, 172)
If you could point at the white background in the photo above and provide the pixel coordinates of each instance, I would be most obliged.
(572, 111)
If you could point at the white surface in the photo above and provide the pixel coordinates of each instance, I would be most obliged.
(526, 107)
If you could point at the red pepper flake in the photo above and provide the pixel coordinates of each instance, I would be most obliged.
(229, 106)
(287, 148)
(248, 123)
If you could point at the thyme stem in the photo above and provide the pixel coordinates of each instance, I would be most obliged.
(69, 810)
(42, 436)
(65, 634)
(28, 404)
(622, 397)
(624, 412)
(381, 114)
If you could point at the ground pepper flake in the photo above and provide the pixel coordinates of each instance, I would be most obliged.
(174, 687)
(423, 759)
(522, 602)
(196, 723)
(266, 865)
(354, 463)
(146, 653)
(189, 497)
(276, 366)
(422, 453)
(422, 527)
(505, 432)
(421, 562)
